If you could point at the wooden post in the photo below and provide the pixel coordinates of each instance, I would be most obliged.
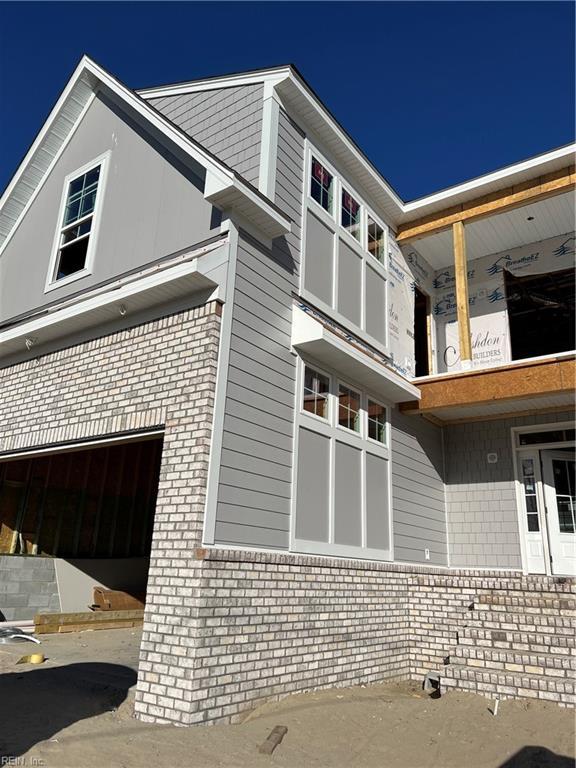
(461, 274)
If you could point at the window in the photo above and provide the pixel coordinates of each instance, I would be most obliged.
(321, 185)
(350, 215)
(376, 244)
(348, 408)
(529, 483)
(77, 222)
(316, 388)
(376, 422)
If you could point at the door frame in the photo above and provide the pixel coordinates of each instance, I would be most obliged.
(517, 452)
(550, 495)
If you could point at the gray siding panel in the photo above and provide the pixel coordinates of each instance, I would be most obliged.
(255, 485)
(418, 503)
(227, 121)
(152, 205)
(481, 497)
(255, 489)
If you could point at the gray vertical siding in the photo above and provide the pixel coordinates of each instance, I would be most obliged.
(481, 497)
(418, 503)
(227, 121)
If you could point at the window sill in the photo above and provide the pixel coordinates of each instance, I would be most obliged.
(82, 273)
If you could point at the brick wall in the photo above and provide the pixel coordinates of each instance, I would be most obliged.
(27, 587)
(161, 372)
(261, 626)
(480, 497)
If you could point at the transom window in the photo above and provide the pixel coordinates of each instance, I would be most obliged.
(350, 215)
(316, 388)
(348, 408)
(376, 422)
(376, 244)
(321, 185)
(352, 410)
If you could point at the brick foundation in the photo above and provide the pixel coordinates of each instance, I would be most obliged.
(260, 626)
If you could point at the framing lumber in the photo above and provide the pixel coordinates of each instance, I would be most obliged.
(462, 306)
(531, 191)
(536, 378)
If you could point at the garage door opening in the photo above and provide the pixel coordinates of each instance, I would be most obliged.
(90, 510)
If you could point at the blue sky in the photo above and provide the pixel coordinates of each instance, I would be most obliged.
(434, 93)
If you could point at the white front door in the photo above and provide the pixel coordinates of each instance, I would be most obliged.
(560, 496)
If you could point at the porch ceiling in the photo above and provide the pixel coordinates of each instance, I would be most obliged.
(494, 234)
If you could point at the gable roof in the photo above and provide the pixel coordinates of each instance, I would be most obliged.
(294, 91)
(225, 188)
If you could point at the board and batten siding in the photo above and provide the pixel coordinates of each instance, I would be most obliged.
(418, 499)
(255, 484)
(226, 121)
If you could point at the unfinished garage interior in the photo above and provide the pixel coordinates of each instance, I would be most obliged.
(74, 519)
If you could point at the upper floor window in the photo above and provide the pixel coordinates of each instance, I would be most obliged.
(77, 223)
(321, 185)
(376, 244)
(350, 215)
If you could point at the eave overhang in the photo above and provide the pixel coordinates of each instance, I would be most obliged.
(181, 277)
(312, 338)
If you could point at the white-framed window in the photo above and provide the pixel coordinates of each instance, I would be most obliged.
(316, 393)
(348, 408)
(350, 215)
(377, 426)
(376, 240)
(321, 185)
(78, 220)
(342, 500)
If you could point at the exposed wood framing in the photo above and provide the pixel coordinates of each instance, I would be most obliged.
(531, 191)
(462, 306)
(470, 388)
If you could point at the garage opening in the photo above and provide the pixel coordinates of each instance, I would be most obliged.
(90, 510)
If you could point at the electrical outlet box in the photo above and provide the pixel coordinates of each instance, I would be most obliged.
(427, 554)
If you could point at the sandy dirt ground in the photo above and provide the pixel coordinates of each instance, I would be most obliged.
(75, 711)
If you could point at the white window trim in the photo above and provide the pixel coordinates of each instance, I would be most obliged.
(360, 433)
(331, 429)
(332, 221)
(51, 282)
(320, 419)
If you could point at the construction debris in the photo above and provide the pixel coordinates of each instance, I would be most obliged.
(275, 737)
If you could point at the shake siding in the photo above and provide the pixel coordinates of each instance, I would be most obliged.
(228, 122)
(418, 490)
(255, 485)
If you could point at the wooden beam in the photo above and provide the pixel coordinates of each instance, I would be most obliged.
(462, 306)
(532, 191)
(495, 385)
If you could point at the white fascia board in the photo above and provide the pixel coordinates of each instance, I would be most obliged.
(272, 76)
(476, 184)
(313, 339)
(45, 128)
(185, 266)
